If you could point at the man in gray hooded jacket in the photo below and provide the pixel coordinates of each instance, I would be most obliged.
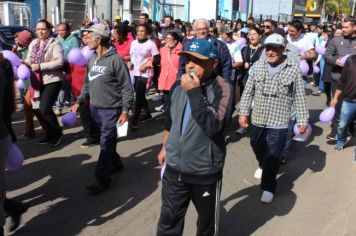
(107, 85)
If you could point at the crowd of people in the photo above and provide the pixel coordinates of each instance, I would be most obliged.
(200, 72)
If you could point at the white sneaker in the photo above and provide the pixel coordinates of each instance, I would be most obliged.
(241, 130)
(156, 97)
(267, 197)
(159, 108)
(258, 173)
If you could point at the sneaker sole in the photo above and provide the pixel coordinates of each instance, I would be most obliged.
(57, 143)
(87, 146)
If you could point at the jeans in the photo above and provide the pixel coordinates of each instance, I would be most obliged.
(64, 94)
(347, 115)
(268, 144)
(336, 117)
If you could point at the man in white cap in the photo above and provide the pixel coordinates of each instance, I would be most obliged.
(275, 85)
(108, 86)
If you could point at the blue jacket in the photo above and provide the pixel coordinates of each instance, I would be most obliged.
(224, 68)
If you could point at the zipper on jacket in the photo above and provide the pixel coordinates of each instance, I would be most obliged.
(179, 177)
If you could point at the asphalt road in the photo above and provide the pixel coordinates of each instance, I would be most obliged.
(316, 192)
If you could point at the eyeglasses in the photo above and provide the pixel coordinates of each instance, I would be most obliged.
(266, 26)
(202, 29)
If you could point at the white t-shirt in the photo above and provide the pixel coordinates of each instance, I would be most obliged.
(235, 51)
(140, 53)
(303, 41)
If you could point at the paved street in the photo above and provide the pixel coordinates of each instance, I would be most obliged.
(316, 193)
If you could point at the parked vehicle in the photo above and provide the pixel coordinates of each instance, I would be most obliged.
(7, 34)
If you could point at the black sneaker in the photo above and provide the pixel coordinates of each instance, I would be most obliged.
(56, 141)
(331, 136)
(43, 140)
(14, 210)
(88, 144)
(134, 127)
(97, 188)
(118, 166)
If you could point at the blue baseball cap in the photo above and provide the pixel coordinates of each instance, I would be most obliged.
(201, 48)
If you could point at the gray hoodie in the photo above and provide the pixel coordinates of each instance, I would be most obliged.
(107, 82)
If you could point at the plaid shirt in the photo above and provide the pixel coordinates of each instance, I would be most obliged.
(274, 97)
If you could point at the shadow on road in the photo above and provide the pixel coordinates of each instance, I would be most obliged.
(56, 186)
(242, 212)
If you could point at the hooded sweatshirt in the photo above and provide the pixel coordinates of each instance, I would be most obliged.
(68, 43)
(107, 82)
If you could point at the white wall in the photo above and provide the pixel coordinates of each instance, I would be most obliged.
(202, 9)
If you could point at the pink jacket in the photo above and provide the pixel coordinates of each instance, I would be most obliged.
(169, 66)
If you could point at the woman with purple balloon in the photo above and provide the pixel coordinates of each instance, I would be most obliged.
(46, 59)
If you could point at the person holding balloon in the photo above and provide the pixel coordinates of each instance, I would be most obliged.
(45, 58)
(346, 89)
(107, 85)
(23, 40)
(273, 94)
(11, 156)
(339, 48)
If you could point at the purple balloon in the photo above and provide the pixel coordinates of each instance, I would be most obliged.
(69, 120)
(344, 58)
(162, 170)
(241, 41)
(316, 69)
(23, 72)
(303, 137)
(87, 53)
(76, 57)
(19, 84)
(95, 20)
(12, 57)
(320, 49)
(327, 115)
(296, 129)
(304, 67)
(14, 158)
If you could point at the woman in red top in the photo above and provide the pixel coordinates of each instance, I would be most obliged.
(169, 66)
(122, 42)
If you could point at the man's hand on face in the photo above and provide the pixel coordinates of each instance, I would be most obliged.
(189, 82)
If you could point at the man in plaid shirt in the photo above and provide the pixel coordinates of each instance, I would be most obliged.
(275, 86)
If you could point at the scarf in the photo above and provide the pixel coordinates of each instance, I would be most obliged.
(37, 57)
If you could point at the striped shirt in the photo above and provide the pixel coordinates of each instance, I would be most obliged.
(274, 96)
